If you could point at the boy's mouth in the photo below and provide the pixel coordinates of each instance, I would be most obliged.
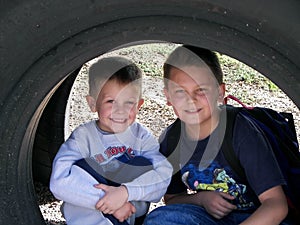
(118, 120)
(192, 110)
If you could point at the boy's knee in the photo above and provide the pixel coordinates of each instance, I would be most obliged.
(163, 213)
(155, 216)
(177, 214)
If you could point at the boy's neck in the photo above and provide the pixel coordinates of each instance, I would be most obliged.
(203, 130)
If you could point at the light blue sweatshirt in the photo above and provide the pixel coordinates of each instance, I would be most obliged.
(75, 186)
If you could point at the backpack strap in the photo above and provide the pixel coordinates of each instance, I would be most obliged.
(172, 144)
(227, 147)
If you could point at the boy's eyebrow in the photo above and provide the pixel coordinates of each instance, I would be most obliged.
(106, 95)
(204, 84)
(109, 96)
(197, 84)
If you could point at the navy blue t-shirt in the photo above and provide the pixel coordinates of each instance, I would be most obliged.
(204, 167)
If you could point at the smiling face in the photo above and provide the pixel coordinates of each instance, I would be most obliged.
(117, 105)
(194, 94)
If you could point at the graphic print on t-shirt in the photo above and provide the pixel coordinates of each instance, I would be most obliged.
(215, 178)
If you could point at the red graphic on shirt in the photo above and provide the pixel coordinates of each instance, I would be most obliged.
(114, 151)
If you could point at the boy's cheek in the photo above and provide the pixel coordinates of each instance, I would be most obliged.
(176, 112)
(179, 104)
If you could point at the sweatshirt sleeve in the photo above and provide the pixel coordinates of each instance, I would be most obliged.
(152, 185)
(70, 183)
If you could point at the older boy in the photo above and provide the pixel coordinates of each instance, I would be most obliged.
(114, 150)
(194, 88)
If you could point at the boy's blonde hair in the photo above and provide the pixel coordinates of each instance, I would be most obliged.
(119, 68)
(187, 55)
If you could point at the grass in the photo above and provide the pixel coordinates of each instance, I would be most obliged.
(236, 71)
(140, 54)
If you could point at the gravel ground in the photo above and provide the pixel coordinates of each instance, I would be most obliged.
(155, 114)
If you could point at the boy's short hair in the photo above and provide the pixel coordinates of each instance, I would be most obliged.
(119, 68)
(187, 55)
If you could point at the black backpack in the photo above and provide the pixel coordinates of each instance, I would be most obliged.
(279, 130)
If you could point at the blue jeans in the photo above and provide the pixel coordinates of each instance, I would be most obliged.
(187, 214)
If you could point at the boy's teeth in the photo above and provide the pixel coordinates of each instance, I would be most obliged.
(119, 120)
(192, 110)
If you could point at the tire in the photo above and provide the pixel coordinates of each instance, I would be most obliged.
(42, 42)
(49, 135)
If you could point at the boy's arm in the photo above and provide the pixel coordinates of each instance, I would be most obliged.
(111, 203)
(273, 208)
(114, 199)
(71, 183)
(215, 203)
(265, 178)
(125, 212)
(152, 185)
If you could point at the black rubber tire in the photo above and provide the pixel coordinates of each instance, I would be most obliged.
(50, 131)
(44, 41)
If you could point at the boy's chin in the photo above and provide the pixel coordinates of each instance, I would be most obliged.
(119, 128)
(193, 124)
(190, 120)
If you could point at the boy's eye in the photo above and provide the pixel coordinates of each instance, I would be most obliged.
(201, 91)
(129, 103)
(179, 91)
(110, 101)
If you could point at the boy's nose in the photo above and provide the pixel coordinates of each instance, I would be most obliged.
(117, 107)
(190, 100)
(191, 97)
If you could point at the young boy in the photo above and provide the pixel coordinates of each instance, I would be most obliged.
(194, 88)
(114, 151)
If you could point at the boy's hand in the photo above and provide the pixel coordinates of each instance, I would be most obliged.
(114, 198)
(217, 203)
(125, 212)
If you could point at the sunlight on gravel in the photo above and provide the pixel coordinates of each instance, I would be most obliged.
(154, 114)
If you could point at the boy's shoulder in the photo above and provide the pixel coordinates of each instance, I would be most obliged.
(87, 125)
(171, 135)
(169, 138)
(140, 130)
(244, 125)
(84, 129)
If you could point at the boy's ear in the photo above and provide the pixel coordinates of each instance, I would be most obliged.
(140, 103)
(222, 90)
(167, 97)
(91, 102)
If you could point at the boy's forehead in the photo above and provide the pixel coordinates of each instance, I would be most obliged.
(192, 74)
(134, 85)
(115, 87)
